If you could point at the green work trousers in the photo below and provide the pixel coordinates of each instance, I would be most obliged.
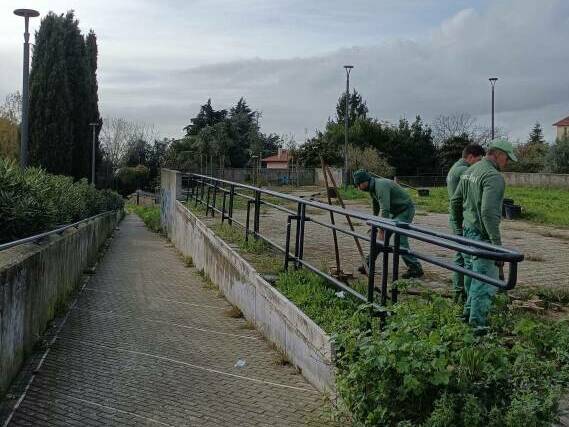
(410, 261)
(458, 279)
(478, 294)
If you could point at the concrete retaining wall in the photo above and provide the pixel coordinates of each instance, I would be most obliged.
(305, 344)
(35, 281)
(537, 179)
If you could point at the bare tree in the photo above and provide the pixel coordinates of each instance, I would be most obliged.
(118, 135)
(11, 110)
(448, 126)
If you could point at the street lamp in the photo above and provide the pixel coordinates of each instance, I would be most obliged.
(26, 14)
(348, 69)
(493, 81)
(94, 126)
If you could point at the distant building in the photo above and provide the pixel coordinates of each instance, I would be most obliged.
(562, 128)
(278, 161)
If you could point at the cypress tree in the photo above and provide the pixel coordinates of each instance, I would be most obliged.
(94, 115)
(63, 96)
(51, 131)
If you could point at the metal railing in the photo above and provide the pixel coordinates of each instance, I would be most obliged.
(205, 190)
(57, 230)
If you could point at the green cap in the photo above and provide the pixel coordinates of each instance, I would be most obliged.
(504, 145)
(360, 176)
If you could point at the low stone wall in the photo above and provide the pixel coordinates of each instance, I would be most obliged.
(536, 179)
(35, 282)
(305, 344)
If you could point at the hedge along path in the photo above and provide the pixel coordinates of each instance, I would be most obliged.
(146, 342)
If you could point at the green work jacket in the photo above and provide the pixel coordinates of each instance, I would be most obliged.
(390, 197)
(453, 177)
(477, 201)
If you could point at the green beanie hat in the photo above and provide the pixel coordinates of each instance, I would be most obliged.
(360, 176)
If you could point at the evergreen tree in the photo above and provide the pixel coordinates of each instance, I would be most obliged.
(536, 135)
(62, 97)
(358, 108)
(207, 116)
(451, 149)
(94, 115)
(51, 130)
(243, 129)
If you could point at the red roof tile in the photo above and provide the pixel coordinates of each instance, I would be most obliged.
(563, 122)
(280, 157)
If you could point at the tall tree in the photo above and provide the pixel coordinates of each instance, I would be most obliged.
(357, 108)
(207, 116)
(93, 114)
(536, 135)
(61, 97)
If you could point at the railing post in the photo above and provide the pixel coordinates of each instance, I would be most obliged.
(214, 198)
(287, 243)
(231, 199)
(257, 217)
(371, 264)
(247, 220)
(395, 271)
(223, 207)
(301, 235)
(385, 267)
(297, 235)
(207, 200)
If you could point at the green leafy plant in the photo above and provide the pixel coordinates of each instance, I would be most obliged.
(33, 201)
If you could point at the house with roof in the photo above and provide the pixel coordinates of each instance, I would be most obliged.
(277, 161)
(562, 128)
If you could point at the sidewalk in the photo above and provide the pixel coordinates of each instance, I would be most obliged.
(147, 344)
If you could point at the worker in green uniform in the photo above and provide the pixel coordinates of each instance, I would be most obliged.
(471, 154)
(395, 204)
(476, 212)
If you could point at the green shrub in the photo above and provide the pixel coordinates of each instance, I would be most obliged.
(150, 215)
(33, 201)
(427, 367)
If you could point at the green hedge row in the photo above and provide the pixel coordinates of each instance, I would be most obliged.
(33, 201)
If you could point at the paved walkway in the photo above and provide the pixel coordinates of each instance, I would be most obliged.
(147, 344)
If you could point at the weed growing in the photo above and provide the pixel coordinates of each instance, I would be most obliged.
(428, 368)
(149, 214)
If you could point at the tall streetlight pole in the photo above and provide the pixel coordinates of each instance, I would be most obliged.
(94, 126)
(26, 14)
(346, 124)
(493, 81)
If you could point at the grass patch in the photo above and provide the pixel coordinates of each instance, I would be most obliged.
(149, 214)
(545, 206)
(234, 313)
(352, 193)
(188, 261)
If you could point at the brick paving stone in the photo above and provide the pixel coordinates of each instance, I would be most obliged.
(147, 344)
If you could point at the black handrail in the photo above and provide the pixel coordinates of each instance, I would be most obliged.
(58, 230)
(197, 191)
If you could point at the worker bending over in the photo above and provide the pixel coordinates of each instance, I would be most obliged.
(395, 204)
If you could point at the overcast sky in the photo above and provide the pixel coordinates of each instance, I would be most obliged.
(160, 60)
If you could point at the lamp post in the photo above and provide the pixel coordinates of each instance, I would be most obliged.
(94, 126)
(26, 14)
(348, 69)
(493, 81)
